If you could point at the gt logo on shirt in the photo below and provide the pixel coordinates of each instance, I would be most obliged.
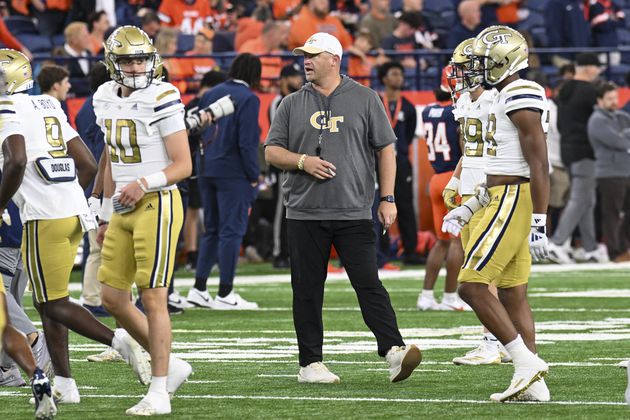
(320, 121)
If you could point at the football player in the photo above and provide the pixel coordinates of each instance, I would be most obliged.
(440, 133)
(471, 111)
(141, 217)
(512, 227)
(55, 214)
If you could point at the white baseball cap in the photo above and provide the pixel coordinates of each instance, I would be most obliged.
(319, 43)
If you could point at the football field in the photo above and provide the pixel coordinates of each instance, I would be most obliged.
(245, 363)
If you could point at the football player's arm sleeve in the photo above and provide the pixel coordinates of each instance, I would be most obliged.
(179, 152)
(14, 151)
(534, 147)
(83, 159)
(249, 136)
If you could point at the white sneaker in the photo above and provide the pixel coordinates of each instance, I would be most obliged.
(486, 354)
(537, 391)
(455, 305)
(598, 255)
(42, 356)
(233, 301)
(426, 304)
(108, 355)
(66, 396)
(523, 378)
(402, 361)
(199, 298)
(11, 377)
(178, 373)
(317, 373)
(559, 254)
(132, 353)
(178, 301)
(150, 407)
(624, 364)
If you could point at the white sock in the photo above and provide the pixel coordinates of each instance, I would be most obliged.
(520, 353)
(427, 294)
(449, 297)
(64, 384)
(158, 384)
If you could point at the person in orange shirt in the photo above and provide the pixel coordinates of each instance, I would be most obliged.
(314, 18)
(360, 64)
(98, 24)
(274, 35)
(286, 9)
(186, 15)
(194, 68)
(166, 44)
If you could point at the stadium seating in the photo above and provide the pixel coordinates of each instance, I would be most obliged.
(36, 43)
(185, 43)
(20, 25)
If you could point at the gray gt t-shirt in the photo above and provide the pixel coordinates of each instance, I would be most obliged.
(355, 129)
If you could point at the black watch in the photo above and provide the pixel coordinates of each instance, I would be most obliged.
(389, 199)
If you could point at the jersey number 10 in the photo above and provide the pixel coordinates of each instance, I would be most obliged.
(124, 147)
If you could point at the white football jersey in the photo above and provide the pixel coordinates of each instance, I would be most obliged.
(135, 126)
(45, 127)
(506, 157)
(473, 124)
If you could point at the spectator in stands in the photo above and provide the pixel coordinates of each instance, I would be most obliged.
(379, 23)
(360, 64)
(228, 181)
(567, 71)
(315, 17)
(286, 9)
(402, 117)
(566, 27)
(605, 16)
(77, 45)
(51, 15)
(82, 10)
(291, 80)
(404, 38)
(93, 137)
(469, 24)
(488, 10)
(609, 134)
(98, 25)
(250, 27)
(10, 42)
(576, 100)
(195, 68)
(274, 35)
(150, 23)
(186, 15)
(166, 44)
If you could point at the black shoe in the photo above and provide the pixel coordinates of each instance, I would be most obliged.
(414, 259)
(172, 310)
(98, 311)
(280, 262)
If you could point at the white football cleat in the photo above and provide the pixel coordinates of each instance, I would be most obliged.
(486, 354)
(198, 298)
(67, 396)
(147, 407)
(402, 361)
(232, 302)
(108, 355)
(624, 364)
(537, 391)
(317, 373)
(178, 372)
(132, 353)
(45, 407)
(426, 304)
(523, 378)
(178, 301)
(559, 254)
(598, 255)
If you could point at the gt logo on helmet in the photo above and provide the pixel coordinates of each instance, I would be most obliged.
(492, 38)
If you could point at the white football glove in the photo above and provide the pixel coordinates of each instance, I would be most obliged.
(538, 242)
(6, 218)
(94, 203)
(456, 219)
(483, 194)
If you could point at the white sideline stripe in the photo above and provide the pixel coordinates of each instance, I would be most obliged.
(384, 275)
(346, 399)
(264, 375)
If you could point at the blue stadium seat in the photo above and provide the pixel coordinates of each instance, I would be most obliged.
(437, 5)
(58, 40)
(624, 36)
(534, 20)
(537, 5)
(618, 73)
(185, 43)
(223, 41)
(35, 43)
(20, 25)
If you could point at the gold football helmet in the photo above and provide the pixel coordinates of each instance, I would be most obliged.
(158, 73)
(499, 52)
(18, 74)
(130, 42)
(462, 68)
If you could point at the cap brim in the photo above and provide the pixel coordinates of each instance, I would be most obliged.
(308, 49)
